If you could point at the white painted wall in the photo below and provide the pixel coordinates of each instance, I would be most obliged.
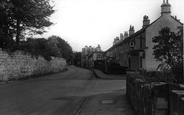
(152, 31)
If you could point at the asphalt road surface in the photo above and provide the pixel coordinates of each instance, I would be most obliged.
(57, 94)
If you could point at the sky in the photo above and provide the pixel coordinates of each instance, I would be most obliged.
(91, 22)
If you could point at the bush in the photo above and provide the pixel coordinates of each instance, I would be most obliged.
(154, 76)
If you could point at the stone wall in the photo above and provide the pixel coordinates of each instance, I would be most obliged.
(177, 102)
(152, 98)
(11, 58)
(18, 65)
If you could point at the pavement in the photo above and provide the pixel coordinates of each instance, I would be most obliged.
(113, 103)
(101, 75)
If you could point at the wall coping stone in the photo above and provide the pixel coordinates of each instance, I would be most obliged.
(158, 83)
(181, 85)
(139, 80)
(180, 92)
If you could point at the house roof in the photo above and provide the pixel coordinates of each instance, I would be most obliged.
(91, 53)
(177, 20)
(138, 33)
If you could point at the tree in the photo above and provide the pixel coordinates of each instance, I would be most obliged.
(169, 48)
(6, 24)
(58, 47)
(53, 47)
(66, 49)
(24, 15)
(77, 58)
(37, 47)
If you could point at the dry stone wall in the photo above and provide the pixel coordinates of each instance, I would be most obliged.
(177, 100)
(157, 98)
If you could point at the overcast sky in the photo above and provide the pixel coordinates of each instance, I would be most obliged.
(93, 22)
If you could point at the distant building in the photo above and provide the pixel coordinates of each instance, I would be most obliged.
(135, 49)
(94, 56)
(90, 54)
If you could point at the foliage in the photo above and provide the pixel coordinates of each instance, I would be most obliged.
(36, 47)
(19, 16)
(64, 48)
(163, 67)
(54, 46)
(169, 48)
(154, 76)
(6, 32)
(77, 59)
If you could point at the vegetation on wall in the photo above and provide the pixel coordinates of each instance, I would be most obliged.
(64, 48)
(21, 18)
(54, 46)
(154, 76)
(169, 48)
(36, 47)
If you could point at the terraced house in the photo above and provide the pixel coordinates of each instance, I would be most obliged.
(135, 50)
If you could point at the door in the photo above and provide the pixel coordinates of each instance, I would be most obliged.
(134, 62)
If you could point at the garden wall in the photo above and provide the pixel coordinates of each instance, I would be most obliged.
(177, 102)
(18, 65)
(152, 98)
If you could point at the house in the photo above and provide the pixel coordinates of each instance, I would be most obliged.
(90, 54)
(135, 50)
(95, 57)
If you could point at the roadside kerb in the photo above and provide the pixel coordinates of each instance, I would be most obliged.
(100, 75)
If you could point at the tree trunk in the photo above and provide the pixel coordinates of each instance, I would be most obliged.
(18, 32)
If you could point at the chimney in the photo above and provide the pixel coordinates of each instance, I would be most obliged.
(94, 49)
(98, 48)
(146, 21)
(121, 37)
(90, 48)
(86, 50)
(116, 40)
(131, 30)
(125, 34)
(165, 8)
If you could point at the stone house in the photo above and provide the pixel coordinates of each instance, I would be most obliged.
(136, 51)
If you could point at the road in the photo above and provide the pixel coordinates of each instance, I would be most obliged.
(57, 94)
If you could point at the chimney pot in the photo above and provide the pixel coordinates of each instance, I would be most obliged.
(146, 21)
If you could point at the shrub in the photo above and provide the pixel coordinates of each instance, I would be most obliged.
(154, 76)
(169, 48)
